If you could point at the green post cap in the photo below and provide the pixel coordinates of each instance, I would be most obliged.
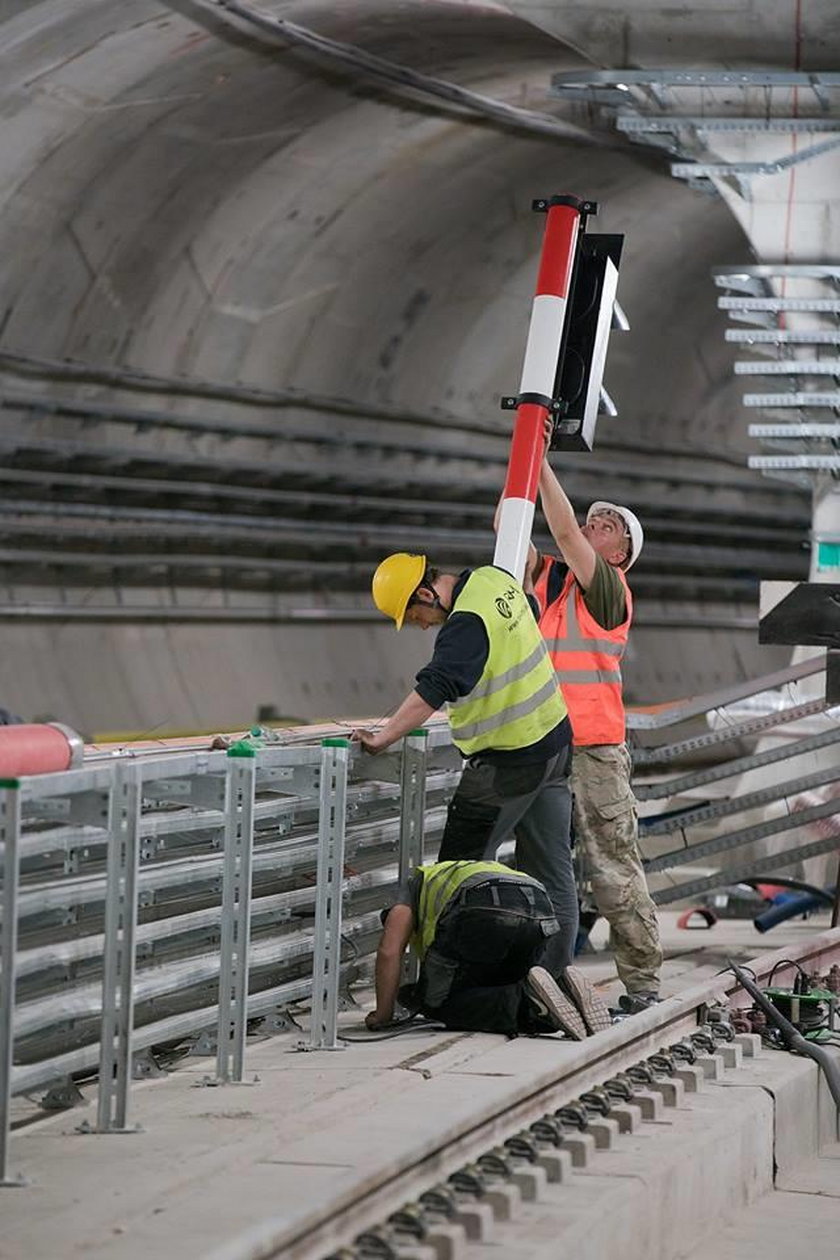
(242, 748)
(9, 783)
(335, 741)
(421, 731)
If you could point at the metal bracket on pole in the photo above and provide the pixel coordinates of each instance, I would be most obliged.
(10, 836)
(236, 914)
(412, 816)
(117, 1027)
(326, 963)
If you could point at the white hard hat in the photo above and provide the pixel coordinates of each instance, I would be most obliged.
(634, 526)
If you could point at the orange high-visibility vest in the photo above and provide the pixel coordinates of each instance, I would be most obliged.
(587, 659)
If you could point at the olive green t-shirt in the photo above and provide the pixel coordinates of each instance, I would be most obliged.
(605, 598)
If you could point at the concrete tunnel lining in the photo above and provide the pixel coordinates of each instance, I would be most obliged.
(364, 247)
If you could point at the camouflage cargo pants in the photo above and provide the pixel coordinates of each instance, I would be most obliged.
(606, 835)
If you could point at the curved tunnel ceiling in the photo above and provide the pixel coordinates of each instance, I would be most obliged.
(332, 278)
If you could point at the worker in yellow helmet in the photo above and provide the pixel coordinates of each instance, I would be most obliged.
(491, 670)
(482, 934)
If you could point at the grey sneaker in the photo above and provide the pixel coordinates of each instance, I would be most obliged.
(593, 1008)
(552, 1004)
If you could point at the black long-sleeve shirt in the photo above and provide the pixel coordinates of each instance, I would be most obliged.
(458, 661)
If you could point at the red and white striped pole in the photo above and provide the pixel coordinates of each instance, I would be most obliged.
(564, 218)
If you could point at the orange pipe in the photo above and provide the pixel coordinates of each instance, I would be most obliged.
(29, 748)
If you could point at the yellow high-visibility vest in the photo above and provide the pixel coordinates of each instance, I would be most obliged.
(516, 700)
(441, 882)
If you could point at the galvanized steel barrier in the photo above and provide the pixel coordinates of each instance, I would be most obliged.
(774, 707)
(153, 901)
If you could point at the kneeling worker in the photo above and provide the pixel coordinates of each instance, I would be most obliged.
(480, 931)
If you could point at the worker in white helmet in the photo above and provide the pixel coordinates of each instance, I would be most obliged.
(586, 609)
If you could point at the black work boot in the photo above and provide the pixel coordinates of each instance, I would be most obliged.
(633, 1003)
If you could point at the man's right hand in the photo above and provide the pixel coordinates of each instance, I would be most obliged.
(373, 1021)
(370, 740)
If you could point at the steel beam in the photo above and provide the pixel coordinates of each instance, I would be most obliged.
(117, 1024)
(10, 827)
(412, 815)
(671, 77)
(744, 870)
(328, 906)
(787, 367)
(750, 726)
(235, 940)
(783, 336)
(683, 818)
(740, 765)
(776, 305)
(642, 124)
(710, 701)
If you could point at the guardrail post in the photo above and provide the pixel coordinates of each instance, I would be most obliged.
(326, 963)
(236, 913)
(10, 836)
(412, 817)
(117, 1027)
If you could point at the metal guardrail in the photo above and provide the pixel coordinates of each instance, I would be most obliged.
(809, 800)
(155, 898)
(672, 714)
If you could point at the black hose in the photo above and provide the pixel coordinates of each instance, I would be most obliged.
(793, 1039)
(397, 1028)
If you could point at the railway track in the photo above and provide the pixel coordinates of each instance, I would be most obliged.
(518, 1160)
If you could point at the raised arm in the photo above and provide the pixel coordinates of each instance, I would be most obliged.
(574, 546)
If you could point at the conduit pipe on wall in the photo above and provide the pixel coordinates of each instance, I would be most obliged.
(358, 61)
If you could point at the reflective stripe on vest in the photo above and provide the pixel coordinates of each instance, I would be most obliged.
(587, 660)
(580, 652)
(515, 701)
(441, 882)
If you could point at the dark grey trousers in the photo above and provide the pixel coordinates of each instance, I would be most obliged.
(533, 803)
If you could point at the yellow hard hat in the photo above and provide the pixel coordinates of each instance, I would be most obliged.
(394, 583)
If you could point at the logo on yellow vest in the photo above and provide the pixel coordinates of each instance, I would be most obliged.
(504, 608)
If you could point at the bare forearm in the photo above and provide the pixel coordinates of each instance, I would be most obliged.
(558, 511)
(387, 980)
(413, 712)
(560, 517)
(396, 934)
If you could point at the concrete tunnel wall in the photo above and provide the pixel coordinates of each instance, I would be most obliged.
(182, 201)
